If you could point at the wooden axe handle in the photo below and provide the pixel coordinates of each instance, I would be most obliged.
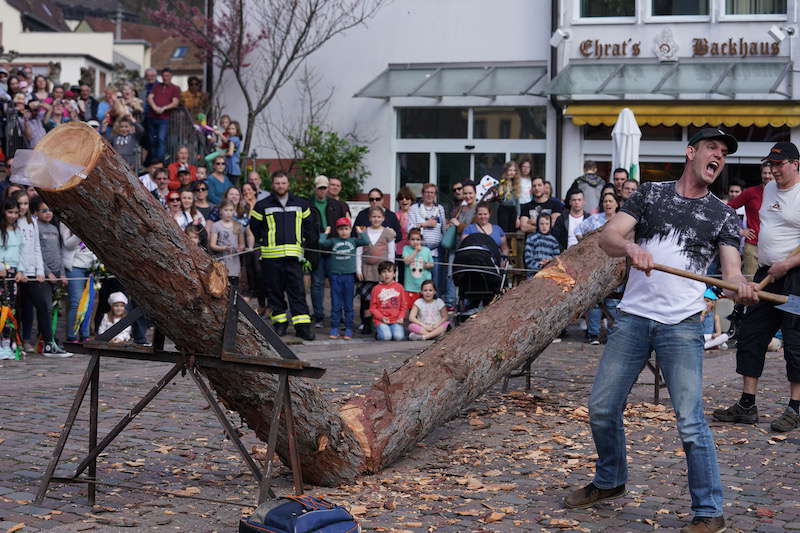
(763, 295)
(767, 280)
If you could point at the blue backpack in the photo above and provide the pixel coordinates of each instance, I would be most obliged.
(300, 514)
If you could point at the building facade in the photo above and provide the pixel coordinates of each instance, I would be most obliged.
(448, 90)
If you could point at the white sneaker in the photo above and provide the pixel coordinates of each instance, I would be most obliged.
(415, 337)
(7, 353)
(28, 347)
(584, 327)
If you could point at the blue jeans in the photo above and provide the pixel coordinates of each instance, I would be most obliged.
(75, 290)
(157, 130)
(595, 315)
(318, 276)
(387, 332)
(679, 352)
(342, 292)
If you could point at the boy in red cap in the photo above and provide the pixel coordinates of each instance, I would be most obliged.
(343, 274)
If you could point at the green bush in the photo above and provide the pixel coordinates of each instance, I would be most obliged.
(325, 152)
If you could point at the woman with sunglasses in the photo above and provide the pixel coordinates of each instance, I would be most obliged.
(201, 202)
(375, 197)
(174, 205)
(218, 181)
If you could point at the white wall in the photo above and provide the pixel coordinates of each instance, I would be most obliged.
(410, 31)
(70, 68)
(138, 52)
(645, 30)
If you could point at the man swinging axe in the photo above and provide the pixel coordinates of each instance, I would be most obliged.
(778, 239)
(682, 225)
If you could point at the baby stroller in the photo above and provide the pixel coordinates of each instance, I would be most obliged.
(477, 274)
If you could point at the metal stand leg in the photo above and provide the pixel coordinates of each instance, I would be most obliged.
(229, 429)
(62, 439)
(272, 440)
(128, 418)
(294, 457)
(93, 408)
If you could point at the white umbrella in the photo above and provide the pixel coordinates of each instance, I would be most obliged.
(626, 136)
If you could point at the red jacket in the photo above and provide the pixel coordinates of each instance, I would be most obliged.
(387, 301)
(172, 170)
(751, 199)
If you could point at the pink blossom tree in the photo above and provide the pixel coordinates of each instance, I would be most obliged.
(260, 44)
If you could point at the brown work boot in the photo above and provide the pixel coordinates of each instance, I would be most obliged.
(706, 524)
(590, 495)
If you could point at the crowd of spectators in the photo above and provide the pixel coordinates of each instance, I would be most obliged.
(395, 261)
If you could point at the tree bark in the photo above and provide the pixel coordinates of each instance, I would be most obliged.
(184, 291)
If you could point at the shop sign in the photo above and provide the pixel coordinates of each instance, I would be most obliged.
(733, 47)
(597, 48)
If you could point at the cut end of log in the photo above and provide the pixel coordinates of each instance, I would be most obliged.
(76, 143)
(352, 416)
(217, 282)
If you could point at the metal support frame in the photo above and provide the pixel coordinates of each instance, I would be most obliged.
(425, 81)
(606, 81)
(288, 365)
(774, 89)
(718, 83)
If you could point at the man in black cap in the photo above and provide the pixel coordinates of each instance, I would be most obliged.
(779, 236)
(680, 224)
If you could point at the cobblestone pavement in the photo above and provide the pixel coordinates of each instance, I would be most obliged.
(503, 464)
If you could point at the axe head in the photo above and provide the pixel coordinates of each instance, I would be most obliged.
(792, 305)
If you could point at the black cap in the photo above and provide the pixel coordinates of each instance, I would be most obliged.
(783, 151)
(715, 133)
(184, 170)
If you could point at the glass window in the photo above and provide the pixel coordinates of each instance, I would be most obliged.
(537, 162)
(662, 133)
(755, 7)
(680, 7)
(451, 168)
(413, 169)
(649, 133)
(509, 123)
(767, 134)
(430, 123)
(179, 52)
(608, 8)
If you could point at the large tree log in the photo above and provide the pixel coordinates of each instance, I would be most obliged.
(184, 292)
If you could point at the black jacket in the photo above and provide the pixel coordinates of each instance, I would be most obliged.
(275, 227)
(560, 229)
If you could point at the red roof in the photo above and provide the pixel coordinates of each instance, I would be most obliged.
(163, 42)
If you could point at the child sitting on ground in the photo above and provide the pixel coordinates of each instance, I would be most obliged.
(342, 274)
(540, 247)
(712, 327)
(117, 301)
(388, 305)
(428, 316)
(418, 261)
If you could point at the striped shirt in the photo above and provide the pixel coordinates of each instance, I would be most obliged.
(538, 247)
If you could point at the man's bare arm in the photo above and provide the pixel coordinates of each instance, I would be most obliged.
(731, 264)
(615, 241)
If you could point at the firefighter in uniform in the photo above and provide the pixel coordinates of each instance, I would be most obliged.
(279, 223)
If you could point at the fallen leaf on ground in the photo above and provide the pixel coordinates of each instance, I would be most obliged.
(15, 527)
(493, 517)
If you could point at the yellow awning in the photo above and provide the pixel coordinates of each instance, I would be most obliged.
(666, 114)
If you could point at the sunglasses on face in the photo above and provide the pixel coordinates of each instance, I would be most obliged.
(201, 189)
(174, 199)
(44, 210)
(375, 199)
(219, 163)
(456, 189)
